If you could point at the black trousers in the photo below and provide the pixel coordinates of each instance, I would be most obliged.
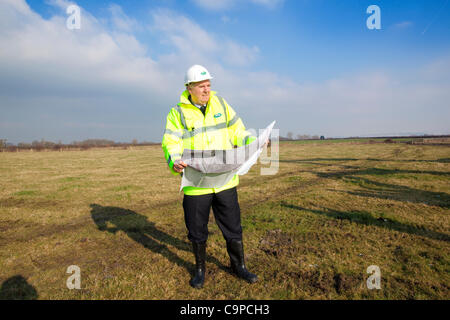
(226, 213)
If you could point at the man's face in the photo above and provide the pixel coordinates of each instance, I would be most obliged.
(200, 91)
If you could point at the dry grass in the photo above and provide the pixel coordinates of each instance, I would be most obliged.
(310, 231)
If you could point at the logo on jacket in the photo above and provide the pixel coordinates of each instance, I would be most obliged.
(217, 115)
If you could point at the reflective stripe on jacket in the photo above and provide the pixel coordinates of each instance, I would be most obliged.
(187, 128)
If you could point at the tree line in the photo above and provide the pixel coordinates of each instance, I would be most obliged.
(40, 145)
(290, 136)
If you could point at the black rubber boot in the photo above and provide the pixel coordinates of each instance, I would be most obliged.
(235, 250)
(199, 249)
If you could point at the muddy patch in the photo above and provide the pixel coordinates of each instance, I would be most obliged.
(26, 231)
(277, 243)
(313, 281)
(316, 281)
(347, 284)
(30, 203)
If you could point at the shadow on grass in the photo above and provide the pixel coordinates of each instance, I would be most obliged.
(378, 172)
(17, 288)
(442, 160)
(138, 228)
(363, 217)
(321, 159)
(379, 190)
(359, 170)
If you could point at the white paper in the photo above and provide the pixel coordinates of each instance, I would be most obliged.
(215, 168)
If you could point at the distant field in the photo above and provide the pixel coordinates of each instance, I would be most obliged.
(311, 231)
(378, 140)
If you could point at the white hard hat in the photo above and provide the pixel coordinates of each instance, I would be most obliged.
(196, 73)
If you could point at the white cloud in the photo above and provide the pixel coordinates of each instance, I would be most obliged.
(194, 43)
(240, 55)
(403, 25)
(437, 70)
(268, 3)
(225, 19)
(46, 68)
(182, 32)
(214, 4)
(121, 21)
(89, 55)
(130, 45)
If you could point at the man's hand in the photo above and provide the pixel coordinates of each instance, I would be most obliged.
(179, 166)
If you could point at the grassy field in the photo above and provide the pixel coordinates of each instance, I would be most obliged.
(348, 140)
(311, 231)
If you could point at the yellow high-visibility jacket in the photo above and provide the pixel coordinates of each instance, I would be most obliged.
(187, 128)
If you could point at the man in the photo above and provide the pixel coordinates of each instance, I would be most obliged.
(204, 121)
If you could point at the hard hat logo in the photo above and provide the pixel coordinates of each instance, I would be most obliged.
(196, 73)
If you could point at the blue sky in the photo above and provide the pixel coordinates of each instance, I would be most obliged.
(312, 65)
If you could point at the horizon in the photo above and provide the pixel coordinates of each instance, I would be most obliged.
(294, 138)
